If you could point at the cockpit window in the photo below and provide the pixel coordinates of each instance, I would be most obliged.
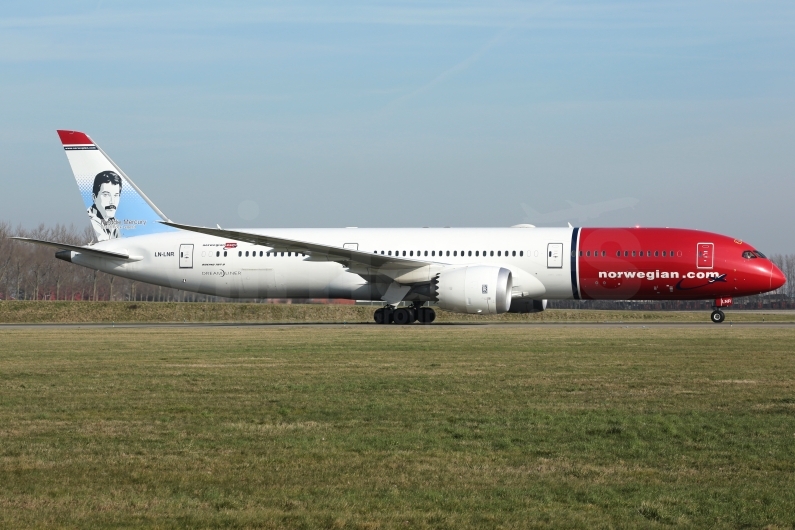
(748, 254)
(759, 254)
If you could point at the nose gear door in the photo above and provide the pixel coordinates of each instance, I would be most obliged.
(186, 256)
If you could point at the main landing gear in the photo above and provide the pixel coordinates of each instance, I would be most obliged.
(404, 315)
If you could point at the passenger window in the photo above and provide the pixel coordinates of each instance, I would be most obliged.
(618, 253)
(404, 252)
(633, 253)
(426, 252)
(656, 253)
(448, 252)
(470, 252)
(433, 253)
(224, 253)
(411, 253)
(239, 253)
(521, 253)
(581, 253)
(390, 252)
(492, 253)
(604, 253)
(217, 253)
(477, 253)
(587, 253)
(455, 253)
(513, 253)
(663, 253)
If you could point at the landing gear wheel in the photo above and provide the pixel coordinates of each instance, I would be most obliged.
(426, 315)
(403, 316)
(718, 316)
(379, 316)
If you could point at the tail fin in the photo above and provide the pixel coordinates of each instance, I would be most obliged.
(116, 206)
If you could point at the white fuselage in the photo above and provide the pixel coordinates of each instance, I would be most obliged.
(211, 265)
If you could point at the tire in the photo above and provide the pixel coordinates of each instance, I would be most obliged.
(718, 316)
(426, 315)
(378, 316)
(403, 316)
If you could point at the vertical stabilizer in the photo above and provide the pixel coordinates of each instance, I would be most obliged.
(116, 207)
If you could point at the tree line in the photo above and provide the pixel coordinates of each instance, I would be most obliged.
(31, 272)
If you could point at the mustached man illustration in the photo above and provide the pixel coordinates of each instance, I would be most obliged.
(106, 193)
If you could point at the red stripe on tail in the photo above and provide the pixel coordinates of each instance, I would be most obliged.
(74, 137)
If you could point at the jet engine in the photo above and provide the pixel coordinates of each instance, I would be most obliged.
(521, 305)
(479, 289)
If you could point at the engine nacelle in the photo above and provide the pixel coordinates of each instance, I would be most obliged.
(521, 305)
(479, 289)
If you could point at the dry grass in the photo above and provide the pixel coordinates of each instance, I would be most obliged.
(385, 427)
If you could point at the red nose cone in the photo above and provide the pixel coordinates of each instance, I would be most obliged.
(777, 278)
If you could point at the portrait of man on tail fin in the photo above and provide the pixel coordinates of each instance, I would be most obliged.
(106, 194)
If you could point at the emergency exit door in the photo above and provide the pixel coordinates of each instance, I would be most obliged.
(555, 256)
(186, 256)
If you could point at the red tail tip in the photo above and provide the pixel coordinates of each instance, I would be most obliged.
(74, 137)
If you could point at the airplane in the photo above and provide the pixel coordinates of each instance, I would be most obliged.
(478, 271)
(580, 212)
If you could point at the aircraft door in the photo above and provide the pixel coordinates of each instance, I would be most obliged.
(705, 255)
(555, 256)
(186, 256)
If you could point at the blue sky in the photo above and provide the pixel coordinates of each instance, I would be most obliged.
(409, 113)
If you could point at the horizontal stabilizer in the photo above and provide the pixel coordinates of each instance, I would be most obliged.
(82, 250)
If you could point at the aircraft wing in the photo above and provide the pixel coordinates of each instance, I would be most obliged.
(75, 248)
(315, 251)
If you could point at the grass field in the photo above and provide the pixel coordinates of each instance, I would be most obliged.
(16, 312)
(397, 427)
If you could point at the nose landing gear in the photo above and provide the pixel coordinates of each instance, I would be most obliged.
(717, 315)
(404, 315)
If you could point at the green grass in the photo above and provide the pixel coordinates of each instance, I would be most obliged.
(397, 427)
(16, 312)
